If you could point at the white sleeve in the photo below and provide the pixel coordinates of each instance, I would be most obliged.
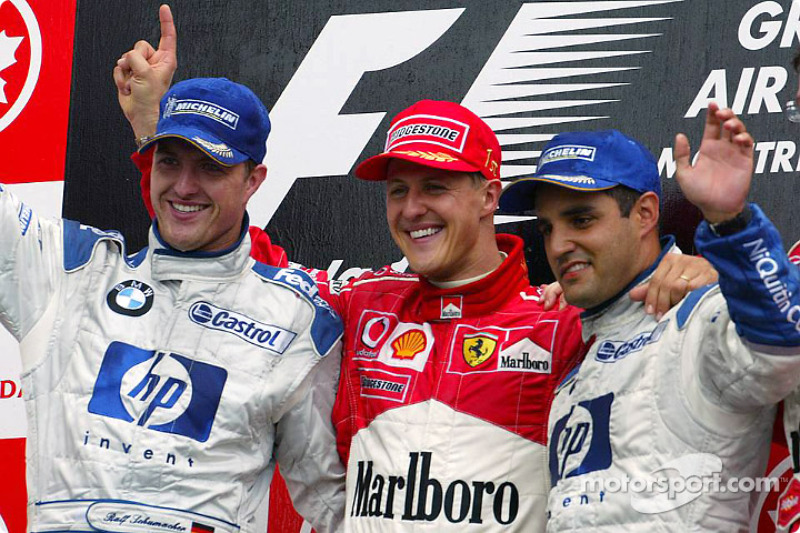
(306, 447)
(30, 259)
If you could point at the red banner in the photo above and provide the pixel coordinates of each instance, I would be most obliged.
(12, 485)
(36, 39)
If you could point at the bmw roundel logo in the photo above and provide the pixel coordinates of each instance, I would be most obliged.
(130, 298)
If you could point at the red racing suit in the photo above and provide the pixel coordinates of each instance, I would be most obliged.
(444, 397)
(788, 511)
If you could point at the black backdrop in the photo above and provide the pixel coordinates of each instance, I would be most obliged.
(261, 43)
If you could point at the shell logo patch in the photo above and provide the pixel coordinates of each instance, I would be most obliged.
(409, 344)
(478, 348)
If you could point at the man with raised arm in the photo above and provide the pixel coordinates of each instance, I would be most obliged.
(163, 387)
(664, 416)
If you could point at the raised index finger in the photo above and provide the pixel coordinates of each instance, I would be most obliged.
(713, 124)
(169, 37)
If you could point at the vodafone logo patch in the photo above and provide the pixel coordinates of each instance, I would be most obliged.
(20, 58)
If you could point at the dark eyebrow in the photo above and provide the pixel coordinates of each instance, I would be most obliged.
(577, 210)
(164, 150)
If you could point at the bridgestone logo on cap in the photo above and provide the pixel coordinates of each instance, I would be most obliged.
(568, 151)
(200, 107)
(439, 131)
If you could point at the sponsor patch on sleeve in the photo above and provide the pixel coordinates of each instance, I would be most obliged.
(326, 326)
(25, 215)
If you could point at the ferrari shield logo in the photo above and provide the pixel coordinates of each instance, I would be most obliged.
(478, 348)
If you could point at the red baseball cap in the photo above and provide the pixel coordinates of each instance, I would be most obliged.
(437, 134)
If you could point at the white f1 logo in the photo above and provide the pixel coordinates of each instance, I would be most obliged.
(310, 138)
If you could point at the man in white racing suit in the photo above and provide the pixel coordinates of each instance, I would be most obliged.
(161, 387)
(664, 416)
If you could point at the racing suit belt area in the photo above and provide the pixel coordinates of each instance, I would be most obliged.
(690, 396)
(443, 400)
(161, 387)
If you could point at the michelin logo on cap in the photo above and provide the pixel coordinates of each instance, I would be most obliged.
(568, 151)
(203, 108)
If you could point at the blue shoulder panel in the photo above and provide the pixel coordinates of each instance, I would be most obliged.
(326, 327)
(568, 377)
(690, 302)
(80, 241)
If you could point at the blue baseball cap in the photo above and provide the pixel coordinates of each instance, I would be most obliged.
(224, 119)
(587, 161)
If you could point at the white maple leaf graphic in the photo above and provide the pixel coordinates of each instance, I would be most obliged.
(8, 47)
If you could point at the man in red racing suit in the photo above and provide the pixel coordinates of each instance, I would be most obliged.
(443, 399)
(448, 376)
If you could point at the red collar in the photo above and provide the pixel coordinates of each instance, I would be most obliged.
(480, 297)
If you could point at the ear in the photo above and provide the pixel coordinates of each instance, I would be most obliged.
(491, 197)
(254, 180)
(647, 212)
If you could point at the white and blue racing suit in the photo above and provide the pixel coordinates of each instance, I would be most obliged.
(162, 387)
(664, 419)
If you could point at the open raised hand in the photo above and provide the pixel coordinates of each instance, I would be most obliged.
(719, 180)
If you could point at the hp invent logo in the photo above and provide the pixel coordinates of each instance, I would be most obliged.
(161, 391)
(580, 442)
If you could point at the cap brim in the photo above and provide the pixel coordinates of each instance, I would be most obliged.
(519, 196)
(213, 147)
(374, 168)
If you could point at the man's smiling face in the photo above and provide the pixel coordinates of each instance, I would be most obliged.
(591, 248)
(199, 203)
(434, 217)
